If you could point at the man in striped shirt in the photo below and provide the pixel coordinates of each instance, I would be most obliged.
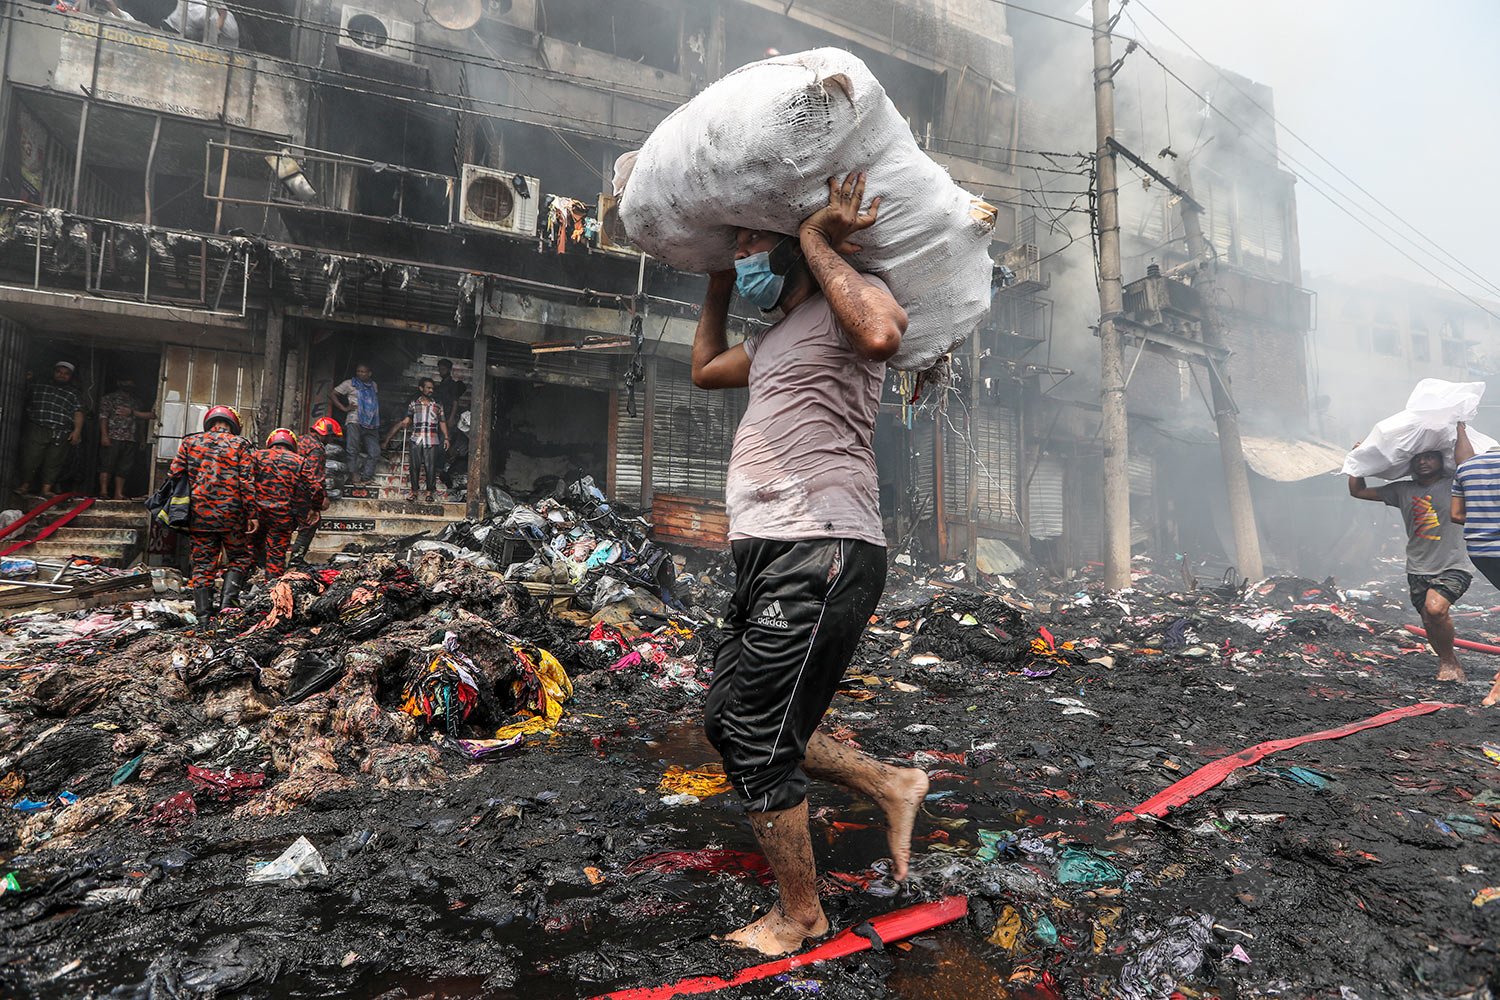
(1476, 506)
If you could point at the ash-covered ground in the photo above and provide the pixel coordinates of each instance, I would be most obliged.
(599, 851)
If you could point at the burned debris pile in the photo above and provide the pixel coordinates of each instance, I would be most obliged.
(476, 763)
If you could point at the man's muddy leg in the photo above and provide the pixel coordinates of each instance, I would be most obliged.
(797, 914)
(898, 791)
(1439, 625)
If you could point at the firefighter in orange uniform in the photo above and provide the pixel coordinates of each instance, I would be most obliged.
(310, 446)
(282, 496)
(220, 468)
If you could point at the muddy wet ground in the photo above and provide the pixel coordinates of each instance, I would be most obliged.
(1337, 869)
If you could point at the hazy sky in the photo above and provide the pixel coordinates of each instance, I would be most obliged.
(1400, 95)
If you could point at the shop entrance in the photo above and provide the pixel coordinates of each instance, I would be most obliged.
(545, 432)
(398, 361)
(100, 370)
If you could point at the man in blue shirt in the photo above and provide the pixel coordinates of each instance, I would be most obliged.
(1476, 506)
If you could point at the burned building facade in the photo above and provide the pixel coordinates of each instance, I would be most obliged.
(243, 213)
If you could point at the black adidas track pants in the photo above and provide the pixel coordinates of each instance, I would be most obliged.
(794, 622)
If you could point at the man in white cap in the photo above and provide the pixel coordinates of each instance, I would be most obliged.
(54, 426)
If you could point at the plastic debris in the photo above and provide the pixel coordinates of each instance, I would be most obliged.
(1083, 867)
(127, 770)
(301, 858)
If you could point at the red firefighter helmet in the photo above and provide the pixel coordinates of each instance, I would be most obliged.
(281, 436)
(222, 413)
(327, 427)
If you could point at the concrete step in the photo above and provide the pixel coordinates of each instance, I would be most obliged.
(98, 536)
(61, 547)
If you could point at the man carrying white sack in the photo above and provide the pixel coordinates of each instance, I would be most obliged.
(1437, 571)
(805, 529)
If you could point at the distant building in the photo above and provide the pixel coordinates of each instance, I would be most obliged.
(1377, 336)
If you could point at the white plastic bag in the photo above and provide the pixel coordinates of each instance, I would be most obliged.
(1429, 423)
(302, 858)
(756, 150)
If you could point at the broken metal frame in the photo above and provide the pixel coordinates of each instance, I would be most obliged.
(305, 155)
(1180, 348)
(93, 276)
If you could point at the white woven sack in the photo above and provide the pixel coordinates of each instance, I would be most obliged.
(1429, 423)
(756, 150)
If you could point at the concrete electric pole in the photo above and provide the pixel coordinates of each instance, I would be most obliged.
(1231, 451)
(1116, 490)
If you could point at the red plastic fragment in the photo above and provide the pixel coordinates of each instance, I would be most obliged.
(1210, 775)
(227, 785)
(713, 859)
(176, 809)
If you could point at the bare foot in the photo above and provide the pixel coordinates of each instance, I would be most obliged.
(900, 803)
(1493, 698)
(776, 933)
(1450, 672)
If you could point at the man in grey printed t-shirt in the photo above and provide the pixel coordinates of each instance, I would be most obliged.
(1437, 571)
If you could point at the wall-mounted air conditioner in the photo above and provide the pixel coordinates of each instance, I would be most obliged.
(612, 237)
(364, 31)
(499, 200)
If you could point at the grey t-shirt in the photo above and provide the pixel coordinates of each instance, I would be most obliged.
(803, 464)
(1433, 542)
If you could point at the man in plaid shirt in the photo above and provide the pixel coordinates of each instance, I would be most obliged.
(429, 429)
(54, 426)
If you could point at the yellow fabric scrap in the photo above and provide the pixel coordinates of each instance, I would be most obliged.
(702, 781)
(554, 688)
(1007, 929)
(1104, 922)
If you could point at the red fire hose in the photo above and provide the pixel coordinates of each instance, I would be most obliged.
(1210, 775)
(1478, 647)
(888, 928)
(50, 529)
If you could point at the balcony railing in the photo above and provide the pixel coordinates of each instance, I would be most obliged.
(48, 249)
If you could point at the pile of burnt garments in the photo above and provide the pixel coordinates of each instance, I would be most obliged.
(574, 542)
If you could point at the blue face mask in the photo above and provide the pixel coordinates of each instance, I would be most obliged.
(757, 283)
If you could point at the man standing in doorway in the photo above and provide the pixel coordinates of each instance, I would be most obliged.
(804, 525)
(54, 426)
(448, 392)
(1437, 572)
(429, 437)
(358, 398)
(119, 446)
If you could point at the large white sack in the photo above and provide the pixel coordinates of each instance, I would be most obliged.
(756, 150)
(1429, 423)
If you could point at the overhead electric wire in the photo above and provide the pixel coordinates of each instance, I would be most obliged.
(1453, 258)
(452, 54)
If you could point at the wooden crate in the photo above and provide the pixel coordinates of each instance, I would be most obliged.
(693, 521)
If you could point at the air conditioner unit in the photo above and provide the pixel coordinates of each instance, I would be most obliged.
(612, 237)
(366, 32)
(499, 200)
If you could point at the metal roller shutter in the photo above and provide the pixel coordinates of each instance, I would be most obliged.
(692, 433)
(1046, 498)
(630, 442)
(1142, 475)
(992, 433)
(12, 395)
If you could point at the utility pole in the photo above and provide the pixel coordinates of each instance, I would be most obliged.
(1113, 427)
(1231, 451)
